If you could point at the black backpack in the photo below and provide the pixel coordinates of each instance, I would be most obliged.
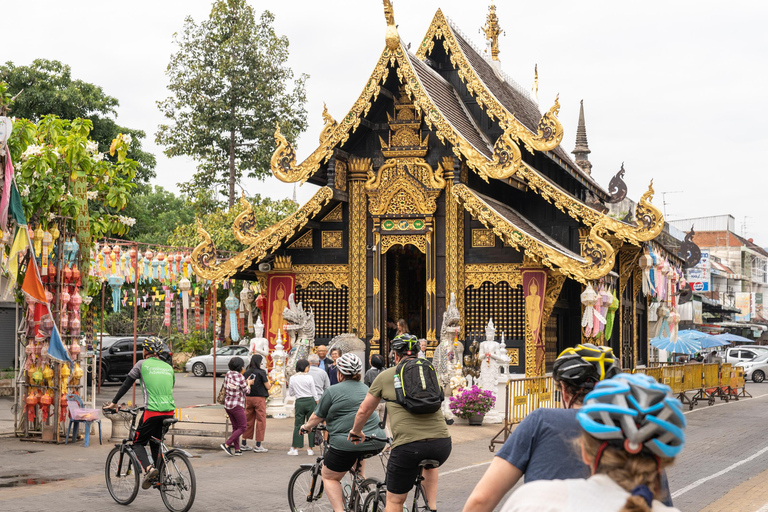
(417, 388)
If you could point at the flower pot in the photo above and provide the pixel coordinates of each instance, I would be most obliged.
(476, 419)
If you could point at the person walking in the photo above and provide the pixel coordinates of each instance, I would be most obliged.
(322, 382)
(332, 375)
(416, 436)
(302, 386)
(235, 389)
(256, 404)
(631, 429)
(337, 407)
(325, 362)
(157, 381)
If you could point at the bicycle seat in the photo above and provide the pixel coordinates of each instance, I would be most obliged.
(429, 464)
(169, 421)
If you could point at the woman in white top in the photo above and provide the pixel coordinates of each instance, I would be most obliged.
(302, 386)
(632, 428)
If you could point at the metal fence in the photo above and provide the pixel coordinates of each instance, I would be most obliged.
(707, 382)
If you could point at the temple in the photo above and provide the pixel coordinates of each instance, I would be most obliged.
(445, 177)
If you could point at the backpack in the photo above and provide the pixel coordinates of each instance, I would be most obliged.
(417, 388)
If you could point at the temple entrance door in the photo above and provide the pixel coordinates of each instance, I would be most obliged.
(405, 291)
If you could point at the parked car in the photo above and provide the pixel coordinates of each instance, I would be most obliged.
(116, 356)
(741, 354)
(756, 369)
(202, 365)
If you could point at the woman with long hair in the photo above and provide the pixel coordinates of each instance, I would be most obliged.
(302, 386)
(256, 403)
(632, 428)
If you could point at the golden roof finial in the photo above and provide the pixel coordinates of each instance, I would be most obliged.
(492, 31)
(391, 36)
(535, 88)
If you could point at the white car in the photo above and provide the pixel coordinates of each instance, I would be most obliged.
(756, 369)
(743, 354)
(199, 366)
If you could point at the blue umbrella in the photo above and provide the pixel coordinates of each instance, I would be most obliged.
(726, 336)
(681, 346)
(715, 341)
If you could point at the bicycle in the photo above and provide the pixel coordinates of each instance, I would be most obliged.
(305, 487)
(175, 481)
(376, 500)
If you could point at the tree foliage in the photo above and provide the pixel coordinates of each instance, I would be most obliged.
(157, 212)
(47, 87)
(218, 223)
(51, 154)
(230, 85)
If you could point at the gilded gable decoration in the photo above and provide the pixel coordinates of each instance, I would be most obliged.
(332, 239)
(341, 176)
(330, 124)
(483, 238)
(335, 215)
(303, 242)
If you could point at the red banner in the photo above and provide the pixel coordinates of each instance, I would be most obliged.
(279, 287)
(534, 290)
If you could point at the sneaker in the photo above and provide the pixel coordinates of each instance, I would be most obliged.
(293, 451)
(260, 449)
(310, 452)
(149, 477)
(227, 449)
(238, 452)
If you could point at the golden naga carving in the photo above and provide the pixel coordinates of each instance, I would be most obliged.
(267, 240)
(337, 275)
(598, 258)
(330, 124)
(550, 131)
(390, 36)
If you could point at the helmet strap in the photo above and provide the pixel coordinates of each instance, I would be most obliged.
(598, 456)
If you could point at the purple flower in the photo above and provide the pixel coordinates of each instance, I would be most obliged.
(471, 401)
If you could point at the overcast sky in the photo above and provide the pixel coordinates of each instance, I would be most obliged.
(676, 90)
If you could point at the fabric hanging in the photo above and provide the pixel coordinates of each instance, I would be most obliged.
(610, 316)
(588, 300)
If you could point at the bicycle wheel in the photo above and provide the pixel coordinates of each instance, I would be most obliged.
(375, 502)
(301, 495)
(122, 474)
(177, 483)
(366, 487)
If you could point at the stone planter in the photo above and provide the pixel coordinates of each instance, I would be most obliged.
(121, 423)
(476, 420)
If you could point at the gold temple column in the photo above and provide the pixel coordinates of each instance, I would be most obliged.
(358, 168)
(454, 241)
(431, 286)
(378, 279)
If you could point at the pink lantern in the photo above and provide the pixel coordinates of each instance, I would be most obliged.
(76, 300)
(74, 327)
(74, 348)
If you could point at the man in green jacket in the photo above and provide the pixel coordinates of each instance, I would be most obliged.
(157, 380)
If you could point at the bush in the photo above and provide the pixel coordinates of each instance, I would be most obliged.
(472, 401)
(196, 343)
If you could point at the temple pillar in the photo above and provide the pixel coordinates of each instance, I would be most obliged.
(358, 169)
(454, 239)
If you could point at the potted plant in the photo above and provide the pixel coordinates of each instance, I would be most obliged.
(472, 404)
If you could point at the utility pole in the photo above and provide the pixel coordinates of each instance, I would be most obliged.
(664, 199)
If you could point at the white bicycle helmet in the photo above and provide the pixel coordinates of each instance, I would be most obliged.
(349, 364)
(635, 412)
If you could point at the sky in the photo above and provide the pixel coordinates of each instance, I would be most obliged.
(675, 90)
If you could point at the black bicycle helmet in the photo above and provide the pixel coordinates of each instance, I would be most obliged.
(584, 365)
(405, 344)
(152, 344)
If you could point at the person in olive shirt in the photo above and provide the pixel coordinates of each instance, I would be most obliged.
(338, 407)
(416, 436)
(157, 381)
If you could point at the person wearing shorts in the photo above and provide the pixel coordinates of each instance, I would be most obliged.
(416, 436)
(337, 407)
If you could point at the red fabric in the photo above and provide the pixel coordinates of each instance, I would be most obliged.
(152, 414)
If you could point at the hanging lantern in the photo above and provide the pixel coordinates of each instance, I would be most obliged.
(48, 375)
(31, 402)
(162, 265)
(588, 300)
(51, 272)
(646, 263)
(65, 298)
(64, 375)
(246, 304)
(47, 241)
(674, 321)
(63, 406)
(116, 283)
(45, 405)
(75, 301)
(197, 313)
(77, 374)
(74, 348)
(662, 322)
(232, 304)
(38, 242)
(167, 313)
(148, 265)
(156, 268)
(261, 302)
(185, 286)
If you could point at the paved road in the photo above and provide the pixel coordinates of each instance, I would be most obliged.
(189, 390)
(722, 467)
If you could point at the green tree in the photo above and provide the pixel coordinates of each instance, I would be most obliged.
(230, 84)
(218, 223)
(47, 87)
(157, 212)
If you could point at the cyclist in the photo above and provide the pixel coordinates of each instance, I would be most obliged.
(157, 381)
(537, 446)
(337, 407)
(416, 436)
(631, 428)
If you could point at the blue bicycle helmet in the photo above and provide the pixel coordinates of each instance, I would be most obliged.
(635, 412)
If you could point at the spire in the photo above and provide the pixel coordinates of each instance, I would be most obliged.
(492, 31)
(581, 151)
(535, 88)
(390, 36)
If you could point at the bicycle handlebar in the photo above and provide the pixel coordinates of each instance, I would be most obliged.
(134, 410)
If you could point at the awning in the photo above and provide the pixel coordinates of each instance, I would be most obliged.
(743, 325)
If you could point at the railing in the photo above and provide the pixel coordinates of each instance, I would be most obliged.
(706, 381)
